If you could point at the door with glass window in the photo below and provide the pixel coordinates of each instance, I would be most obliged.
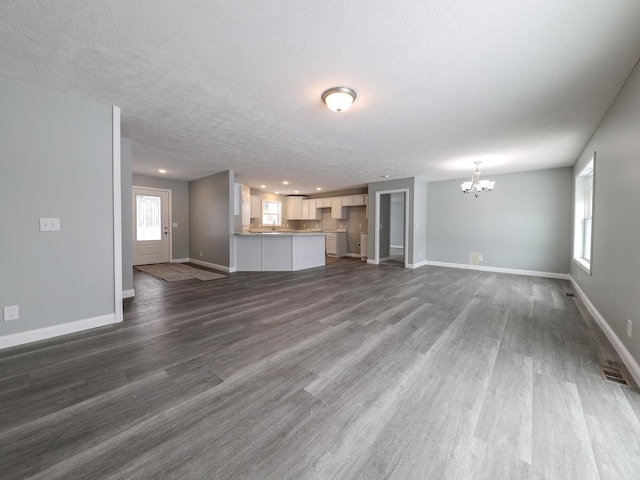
(150, 226)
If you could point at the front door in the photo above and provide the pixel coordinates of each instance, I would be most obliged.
(150, 226)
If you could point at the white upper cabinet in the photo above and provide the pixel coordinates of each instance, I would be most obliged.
(310, 210)
(256, 206)
(338, 212)
(294, 208)
(246, 205)
(357, 200)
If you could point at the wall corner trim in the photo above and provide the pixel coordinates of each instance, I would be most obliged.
(21, 338)
(117, 215)
(128, 293)
(510, 271)
(213, 265)
(625, 355)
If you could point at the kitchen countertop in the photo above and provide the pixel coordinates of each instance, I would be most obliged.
(282, 234)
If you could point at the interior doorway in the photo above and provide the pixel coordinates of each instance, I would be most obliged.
(151, 220)
(392, 226)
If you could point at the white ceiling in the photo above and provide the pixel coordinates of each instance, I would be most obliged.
(206, 86)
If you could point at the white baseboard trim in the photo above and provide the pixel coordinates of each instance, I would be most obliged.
(372, 261)
(180, 260)
(128, 293)
(511, 271)
(625, 355)
(416, 265)
(213, 265)
(21, 338)
(353, 255)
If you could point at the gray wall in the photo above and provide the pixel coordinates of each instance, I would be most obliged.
(613, 284)
(397, 220)
(385, 225)
(179, 211)
(56, 154)
(420, 221)
(127, 221)
(211, 219)
(525, 223)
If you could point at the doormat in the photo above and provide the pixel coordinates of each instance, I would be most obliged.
(176, 272)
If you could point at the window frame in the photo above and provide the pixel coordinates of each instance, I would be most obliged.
(262, 214)
(584, 206)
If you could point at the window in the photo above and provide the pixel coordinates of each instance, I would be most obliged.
(271, 213)
(583, 215)
(148, 208)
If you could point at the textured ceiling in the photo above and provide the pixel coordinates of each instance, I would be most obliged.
(206, 86)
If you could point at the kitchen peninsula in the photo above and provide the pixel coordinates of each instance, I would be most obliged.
(279, 251)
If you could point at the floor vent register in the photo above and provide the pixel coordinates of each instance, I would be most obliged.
(612, 374)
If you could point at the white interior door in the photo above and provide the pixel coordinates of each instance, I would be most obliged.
(151, 230)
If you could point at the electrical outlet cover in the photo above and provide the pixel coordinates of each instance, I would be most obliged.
(11, 313)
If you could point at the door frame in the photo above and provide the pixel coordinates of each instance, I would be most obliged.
(376, 253)
(170, 212)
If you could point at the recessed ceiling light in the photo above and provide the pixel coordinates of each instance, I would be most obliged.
(295, 191)
(277, 193)
(285, 183)
(318, 188)
(263, 186)
(162, 170)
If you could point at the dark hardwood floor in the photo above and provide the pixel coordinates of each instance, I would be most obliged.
(351, 371)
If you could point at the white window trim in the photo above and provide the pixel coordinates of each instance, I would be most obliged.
(280, 214)
(579, 203)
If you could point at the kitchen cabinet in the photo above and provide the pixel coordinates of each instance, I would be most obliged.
(357, 200)
(246, 206)
(338, 212)
(294, 208)
(336, 244)
(354, 200)
(256, 206)
(310, 210)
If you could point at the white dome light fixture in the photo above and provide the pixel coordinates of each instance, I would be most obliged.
(476, 185)
(339, 99)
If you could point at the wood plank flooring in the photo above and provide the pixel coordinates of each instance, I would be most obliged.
(351, 371)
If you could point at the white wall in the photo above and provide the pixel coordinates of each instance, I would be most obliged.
(524, 224)
(614, 286)
(56, 155)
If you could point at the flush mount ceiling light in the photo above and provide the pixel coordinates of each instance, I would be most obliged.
(162, 170)
(476, 185)
(339, 99)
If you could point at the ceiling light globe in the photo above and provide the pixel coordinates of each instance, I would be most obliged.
(339, 99)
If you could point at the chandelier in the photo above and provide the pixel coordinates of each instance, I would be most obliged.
(476, 185)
